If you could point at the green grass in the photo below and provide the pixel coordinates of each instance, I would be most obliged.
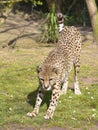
(18, 85)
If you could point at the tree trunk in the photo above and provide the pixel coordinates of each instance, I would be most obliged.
(58, 6)
(93, 12)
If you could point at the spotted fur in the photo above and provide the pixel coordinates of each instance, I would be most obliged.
(53, 72)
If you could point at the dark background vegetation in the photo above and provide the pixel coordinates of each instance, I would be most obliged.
(75, 11)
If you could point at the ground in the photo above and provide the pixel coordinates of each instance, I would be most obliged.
(18, 80)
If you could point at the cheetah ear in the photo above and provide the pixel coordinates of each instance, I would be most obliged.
(38, 69)
(55, 70)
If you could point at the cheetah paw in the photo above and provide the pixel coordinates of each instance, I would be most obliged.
(47, 117)
(78, 92)
(31, 114)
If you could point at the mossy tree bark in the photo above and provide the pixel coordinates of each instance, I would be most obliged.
(93, 12)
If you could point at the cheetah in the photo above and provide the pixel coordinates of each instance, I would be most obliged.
(54, 71)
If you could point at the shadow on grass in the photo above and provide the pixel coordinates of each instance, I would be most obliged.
(13, 41)
(31, 98)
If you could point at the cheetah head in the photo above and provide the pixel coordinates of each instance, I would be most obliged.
(47, 76)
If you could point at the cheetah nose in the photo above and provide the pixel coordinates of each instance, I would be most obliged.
(46, 87)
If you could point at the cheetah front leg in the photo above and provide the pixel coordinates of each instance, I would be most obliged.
(37, 104)
(53, 103)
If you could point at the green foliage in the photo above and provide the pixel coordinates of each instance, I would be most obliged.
(52, 32)
(35, 2)
(9, 3)
(4, 5)
(65, 20)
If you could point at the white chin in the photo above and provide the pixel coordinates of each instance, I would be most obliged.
(48, 89)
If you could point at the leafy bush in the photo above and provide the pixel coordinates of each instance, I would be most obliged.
(52, 26)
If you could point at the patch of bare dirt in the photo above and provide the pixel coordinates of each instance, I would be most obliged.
(17, 31)
(20, 127)
(17, 127)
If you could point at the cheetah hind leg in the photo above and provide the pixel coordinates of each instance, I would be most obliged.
(65, 84)
(76, 88)
(76, 83)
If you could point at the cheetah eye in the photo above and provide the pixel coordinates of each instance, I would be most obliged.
(50, 79)
(41, 79)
